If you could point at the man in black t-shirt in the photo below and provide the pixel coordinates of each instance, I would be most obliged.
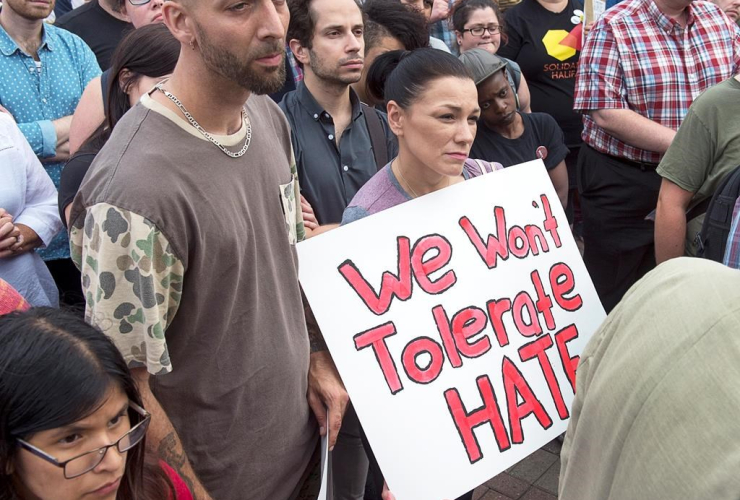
(103, 23)
(508, 136)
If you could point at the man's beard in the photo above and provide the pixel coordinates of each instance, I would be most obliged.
(230, 66)
(29, 13)
(323, 72)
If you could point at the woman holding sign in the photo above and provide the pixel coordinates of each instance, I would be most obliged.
(432, 106)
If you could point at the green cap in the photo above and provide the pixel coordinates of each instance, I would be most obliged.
(481, 64)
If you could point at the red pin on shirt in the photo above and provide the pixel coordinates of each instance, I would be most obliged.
(541, 152)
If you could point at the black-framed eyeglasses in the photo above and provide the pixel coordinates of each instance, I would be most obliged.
(479, 30)
(87, 461)
(139, 2)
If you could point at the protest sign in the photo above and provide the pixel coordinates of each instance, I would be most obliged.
(455, 321)
(327, 489)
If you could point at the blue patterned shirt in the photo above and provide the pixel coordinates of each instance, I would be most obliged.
(442, 30)
(37, 95)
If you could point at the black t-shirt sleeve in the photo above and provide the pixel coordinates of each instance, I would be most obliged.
(62, 7)
(72, 174)
(550, 135)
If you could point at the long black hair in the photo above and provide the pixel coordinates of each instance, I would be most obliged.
(55, 369)
(147, 51)
(402, 76)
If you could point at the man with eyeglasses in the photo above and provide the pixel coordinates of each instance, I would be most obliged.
(102, 24)
(43, 72)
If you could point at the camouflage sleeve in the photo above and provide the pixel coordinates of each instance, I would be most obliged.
(132, 282)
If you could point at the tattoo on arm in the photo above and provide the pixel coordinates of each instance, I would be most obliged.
(315, 337)
(171, 452)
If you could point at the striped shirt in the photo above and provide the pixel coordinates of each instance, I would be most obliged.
(638, 58)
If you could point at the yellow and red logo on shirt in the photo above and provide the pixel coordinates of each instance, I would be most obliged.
(563, 45)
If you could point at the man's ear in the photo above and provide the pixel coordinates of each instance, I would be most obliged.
(396, 118)
(300, 52)
(177, 18)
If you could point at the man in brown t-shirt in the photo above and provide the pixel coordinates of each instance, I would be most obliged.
(185, 230)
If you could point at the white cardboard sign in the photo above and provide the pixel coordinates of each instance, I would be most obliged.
(456, 321)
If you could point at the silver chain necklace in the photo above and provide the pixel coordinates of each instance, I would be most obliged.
(205, 134)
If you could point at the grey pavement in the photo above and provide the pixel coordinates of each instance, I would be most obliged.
(534, 478)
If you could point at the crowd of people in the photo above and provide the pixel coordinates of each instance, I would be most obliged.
(159, 162)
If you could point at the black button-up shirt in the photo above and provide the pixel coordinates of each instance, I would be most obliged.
(331, 175)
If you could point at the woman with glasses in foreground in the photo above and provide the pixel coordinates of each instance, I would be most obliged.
(72, 424)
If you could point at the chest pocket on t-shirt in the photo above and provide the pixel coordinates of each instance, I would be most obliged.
(288, 194)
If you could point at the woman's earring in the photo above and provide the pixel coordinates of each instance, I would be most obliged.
(192, 45)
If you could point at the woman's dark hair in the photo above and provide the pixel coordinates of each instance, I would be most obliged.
(402, 76)
(462, 10)
(147, 51)
(391, 18)
(55, 369)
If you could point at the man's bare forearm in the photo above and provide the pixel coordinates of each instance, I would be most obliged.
(670, 221)
(670, 232)
(162, 439)
(320, 229)
(315, 337)
(62, 153)
(61, 127)
(634, 129)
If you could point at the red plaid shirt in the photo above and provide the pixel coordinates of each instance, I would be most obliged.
(637, 58)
